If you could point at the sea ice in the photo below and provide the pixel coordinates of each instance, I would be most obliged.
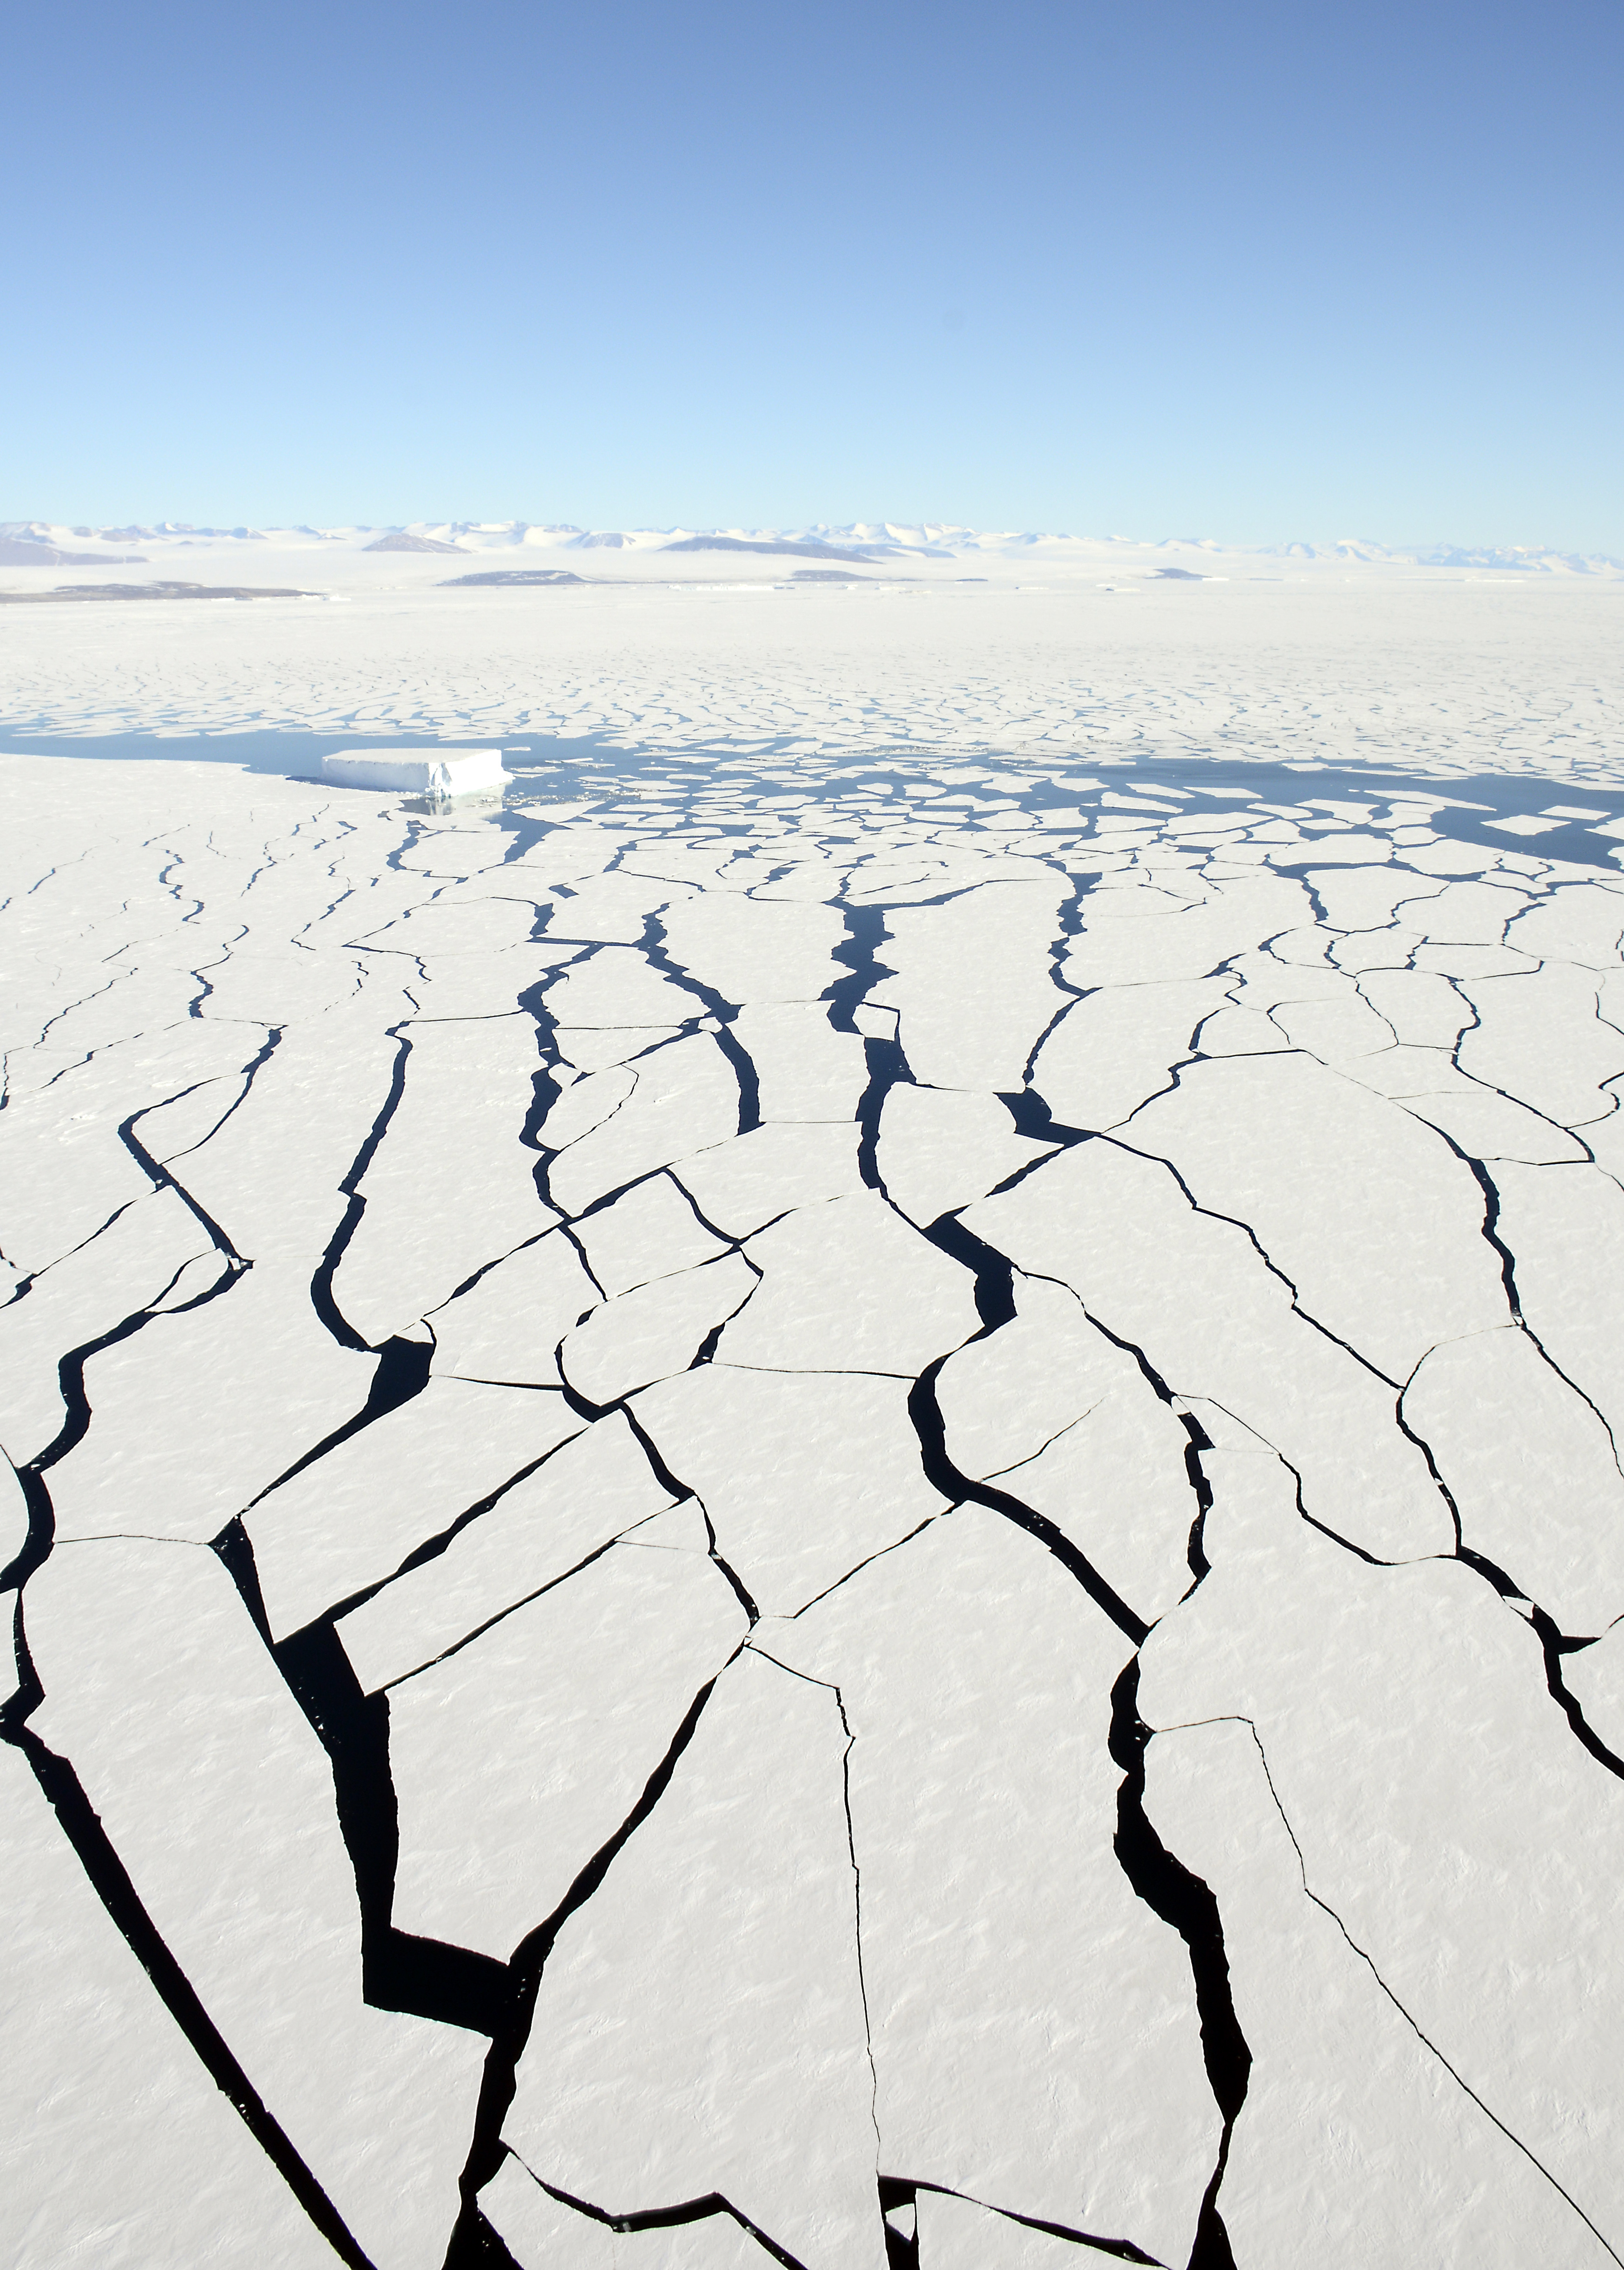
(848, 1492)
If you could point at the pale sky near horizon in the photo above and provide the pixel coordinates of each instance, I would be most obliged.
(1259, 273)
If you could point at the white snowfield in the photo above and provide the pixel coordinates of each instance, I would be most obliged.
(831, 1498)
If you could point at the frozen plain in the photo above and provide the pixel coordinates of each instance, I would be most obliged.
(848, 1493)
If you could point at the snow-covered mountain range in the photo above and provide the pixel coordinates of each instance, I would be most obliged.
(929, 548)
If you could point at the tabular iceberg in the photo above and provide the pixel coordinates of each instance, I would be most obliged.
(418, 772)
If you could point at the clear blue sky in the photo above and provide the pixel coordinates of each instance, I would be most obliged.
(1256, 271)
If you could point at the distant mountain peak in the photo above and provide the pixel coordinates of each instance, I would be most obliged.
(398, 540)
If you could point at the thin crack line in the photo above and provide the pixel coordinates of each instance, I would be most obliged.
(1510, 2135)
(831, 1687)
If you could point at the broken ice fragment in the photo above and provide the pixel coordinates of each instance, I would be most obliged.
(516, 1756)
(654, 1330)
(640, 2089)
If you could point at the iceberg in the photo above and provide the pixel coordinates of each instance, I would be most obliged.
(418, 772)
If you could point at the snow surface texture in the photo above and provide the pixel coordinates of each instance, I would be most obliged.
(853, 1510)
